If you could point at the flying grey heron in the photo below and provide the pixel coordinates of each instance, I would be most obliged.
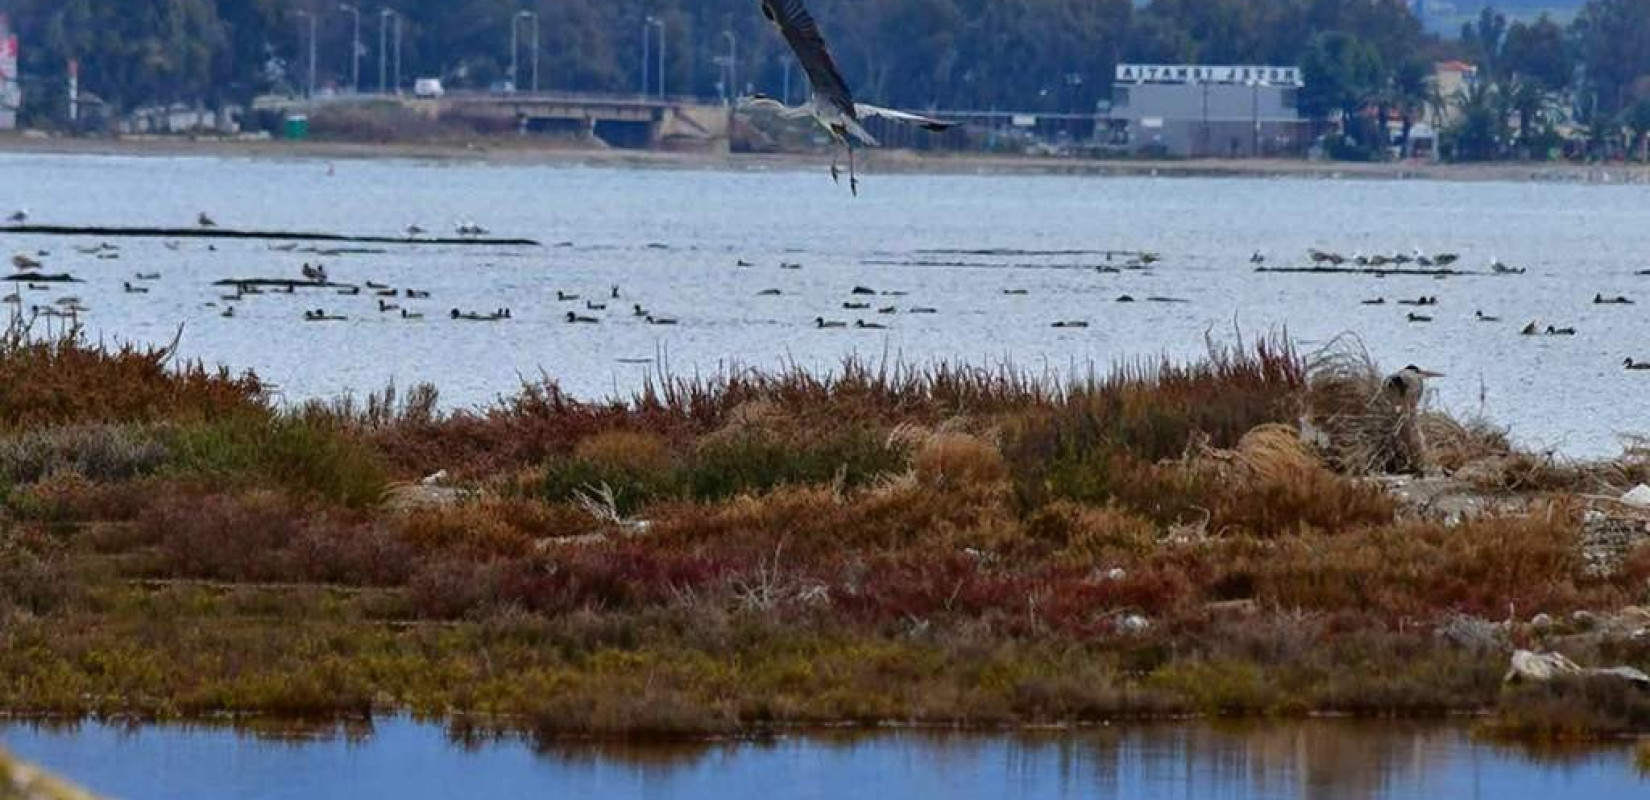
(831, 102)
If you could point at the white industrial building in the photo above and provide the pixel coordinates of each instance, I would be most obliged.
(1200, 111)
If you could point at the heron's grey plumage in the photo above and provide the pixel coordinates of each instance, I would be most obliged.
(926, 123)
(831, 103)
(802, 34)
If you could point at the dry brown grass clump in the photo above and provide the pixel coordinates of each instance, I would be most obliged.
(956, 460)
(491, 527)
(1348, 421)
(628, 452)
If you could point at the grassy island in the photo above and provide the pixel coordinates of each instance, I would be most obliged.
(923, 546)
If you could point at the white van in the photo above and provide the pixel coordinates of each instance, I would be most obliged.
(428, 87)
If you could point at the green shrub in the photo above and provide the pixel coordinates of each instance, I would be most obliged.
(724, 468)
(303, 453)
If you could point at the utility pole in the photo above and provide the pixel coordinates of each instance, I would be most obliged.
(515, 42)
(787, 95)
(398, 52)
(355, 48)
(534, 18)
(311, 18)
(733, 65)
(661, 26)
(647, 55)
(1254, 147)
(384, 15)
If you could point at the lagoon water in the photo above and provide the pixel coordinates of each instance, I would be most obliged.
(671, 240)
(411, 761)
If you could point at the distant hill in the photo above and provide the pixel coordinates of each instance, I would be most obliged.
(1446, 16)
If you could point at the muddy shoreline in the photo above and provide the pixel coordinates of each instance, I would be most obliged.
(513, 152)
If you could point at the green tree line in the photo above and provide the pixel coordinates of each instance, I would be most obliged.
(956, 54)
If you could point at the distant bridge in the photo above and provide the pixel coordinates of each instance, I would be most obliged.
(619, 120)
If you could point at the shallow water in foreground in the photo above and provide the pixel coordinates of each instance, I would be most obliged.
(672, 241)
(402, 759)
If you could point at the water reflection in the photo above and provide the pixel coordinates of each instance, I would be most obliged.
(403, 758)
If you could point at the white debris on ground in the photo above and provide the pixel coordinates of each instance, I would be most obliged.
(1639, 497)
(429, 492)
(1611, 527)
(1450, 501)
(1609, 534)
(1133, 623)
(1532, 666)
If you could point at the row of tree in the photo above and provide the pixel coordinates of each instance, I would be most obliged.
(957, 54)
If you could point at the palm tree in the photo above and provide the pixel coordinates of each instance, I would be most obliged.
(1482, 128)
(1527, 100)
(1414, 93)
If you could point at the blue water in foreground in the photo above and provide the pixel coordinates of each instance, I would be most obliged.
(408, 760)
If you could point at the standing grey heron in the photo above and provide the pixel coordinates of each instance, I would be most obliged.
(1401, 393)
(831, 102)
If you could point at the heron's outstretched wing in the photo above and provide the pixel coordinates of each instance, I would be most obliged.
(926, 123)
(802, 34)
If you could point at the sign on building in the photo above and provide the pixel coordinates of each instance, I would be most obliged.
(1197, 73)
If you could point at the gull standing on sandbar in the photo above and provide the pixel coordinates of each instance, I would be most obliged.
(831, 103)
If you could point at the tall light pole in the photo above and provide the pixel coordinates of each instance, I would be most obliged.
(311, 18)
(647, 55)
(787, 95)
(355, 48)
(660, 24)
(515, 42)
(398, 52)
(1254, 110)
(733, 64)
(534, 18)
(384, 15)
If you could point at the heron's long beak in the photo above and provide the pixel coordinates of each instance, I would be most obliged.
(1427, 373)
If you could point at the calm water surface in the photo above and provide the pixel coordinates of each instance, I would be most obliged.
(1339, 760)
(670, 240)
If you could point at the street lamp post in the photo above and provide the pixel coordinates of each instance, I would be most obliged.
(398, 52)
(647, 53)
(1254, 111)
(311, 79)
(515, 45)
(530, 15)
(355, 47)
(515, 41)
(733, 63)
(660, 24)
(787, 63)
(384, 15)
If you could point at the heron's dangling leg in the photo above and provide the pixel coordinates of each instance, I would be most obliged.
(853, 180)
(836, 174)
